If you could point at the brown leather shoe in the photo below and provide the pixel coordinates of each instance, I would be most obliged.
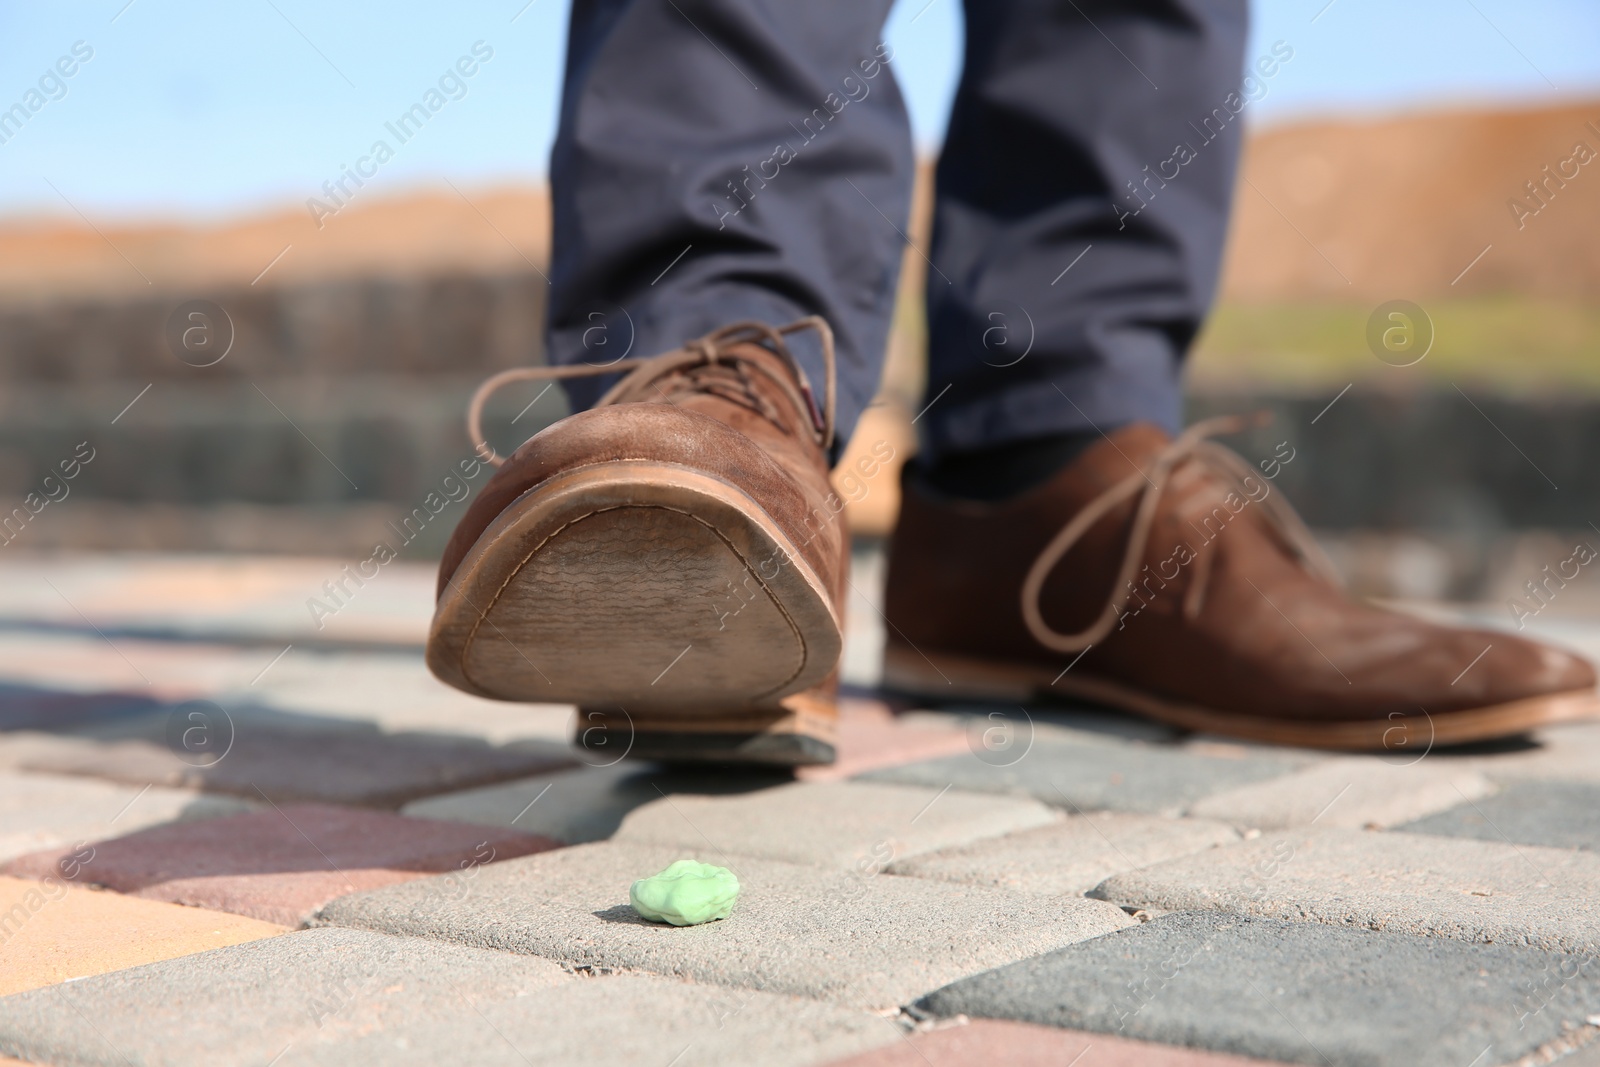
(1169, 579)
(670, 560)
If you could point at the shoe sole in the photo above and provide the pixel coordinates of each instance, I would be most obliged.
(944, 675)
(800, 733)
(646, 588)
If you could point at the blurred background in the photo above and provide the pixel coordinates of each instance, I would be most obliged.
(1436, 152)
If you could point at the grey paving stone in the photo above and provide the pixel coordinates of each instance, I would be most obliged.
(1554, 814)
(1059, 723)
(39, 811)
(341, 997)
(1096, 775)
(1069, 857)
(38, 707)
(1405, 883)
(1347, 792)
(833, 824)
(586, 803)
(1294, 992)
(371, 769)
(865, 940)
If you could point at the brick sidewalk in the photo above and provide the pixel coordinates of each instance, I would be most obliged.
(381, 870)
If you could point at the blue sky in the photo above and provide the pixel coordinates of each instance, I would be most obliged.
(193, 108)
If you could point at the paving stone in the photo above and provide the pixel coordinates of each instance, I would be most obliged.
(283, 864)
(832, 824)
(1554, 814)
(52, 932)
(61, 682)
(45, 811)
(866, 940)
(871, 736)
(1069, 723)
(1585, 1046)
(377, 770)
(1570, 752)
(587, 803)
(1347, 792)
(1096, 775)
(1406, 883)
(234, 597)
(1295, 992)
(1069, 857)
(350, 997)
(986, 1041)
(31, 707)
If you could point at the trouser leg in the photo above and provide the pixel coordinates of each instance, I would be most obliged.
(728, 159)
(1082, 203)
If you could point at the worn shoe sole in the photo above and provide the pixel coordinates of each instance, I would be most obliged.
(802, 731)
(941, 674)
(644, 588)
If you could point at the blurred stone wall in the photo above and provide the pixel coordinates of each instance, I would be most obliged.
(337, 400)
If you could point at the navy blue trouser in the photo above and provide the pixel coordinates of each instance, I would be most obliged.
(730, 159)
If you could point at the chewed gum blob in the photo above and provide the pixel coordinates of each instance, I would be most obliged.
(687, 893)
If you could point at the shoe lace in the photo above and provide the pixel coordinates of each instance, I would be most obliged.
(709, 364)
(1192, 444)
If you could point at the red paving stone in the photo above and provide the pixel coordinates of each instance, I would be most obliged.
(983, 1042)
(870, 737)
(284, 864)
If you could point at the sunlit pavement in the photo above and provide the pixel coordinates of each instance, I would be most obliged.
(240, 823)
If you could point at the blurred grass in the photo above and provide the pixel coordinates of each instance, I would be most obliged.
(1507, 343)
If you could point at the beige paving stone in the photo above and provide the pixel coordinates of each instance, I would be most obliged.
(39, 811)
(1069, 857)
(1569, 753)
(1355, 793)
(865, 940)
(833, 824)
(51, 932)
(350, 998)
(1397, 882)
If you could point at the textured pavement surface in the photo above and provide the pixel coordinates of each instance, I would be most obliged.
(57, 933)
(351, 997)
(1082, 776)
(1485, 891)
(283, 864)
(849, 936)
(381, 870)
(1294, 992)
